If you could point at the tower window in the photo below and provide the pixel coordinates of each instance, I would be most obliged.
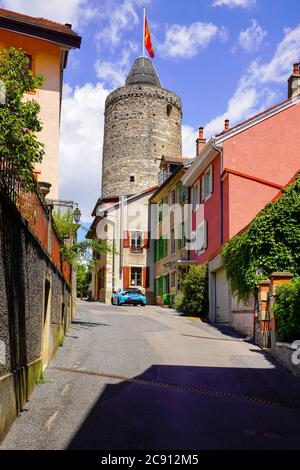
(132, 179)
(169, 109)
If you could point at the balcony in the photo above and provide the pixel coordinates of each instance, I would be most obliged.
(137, 250)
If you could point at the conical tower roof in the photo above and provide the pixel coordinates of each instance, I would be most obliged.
(144, 72)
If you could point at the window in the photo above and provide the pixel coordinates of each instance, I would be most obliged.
(136, 242)
(201, 237)
(196, 195)
(169, 109)
(161, 285)
(160, 214)
(132, 179)
(173, 197)
(166, 284)
(172, 244)
(136, 277)
(180, 240)
(207, 183)
(165, 208)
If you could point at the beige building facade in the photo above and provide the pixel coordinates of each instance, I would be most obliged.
(125, 226)
(170, 251)
(47, 45)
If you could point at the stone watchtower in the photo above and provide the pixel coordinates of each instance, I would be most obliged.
(142, 123)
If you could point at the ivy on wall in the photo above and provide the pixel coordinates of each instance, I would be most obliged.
(271, 243)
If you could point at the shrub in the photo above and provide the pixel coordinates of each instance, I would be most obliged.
(287, 310)
(179, 302)
(194, 299)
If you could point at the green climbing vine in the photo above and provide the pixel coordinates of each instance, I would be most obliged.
(271, 243)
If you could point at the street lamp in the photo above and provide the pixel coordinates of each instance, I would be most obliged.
(77, 215)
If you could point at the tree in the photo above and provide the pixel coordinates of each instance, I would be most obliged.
(194, 297)
(84, 276)
(19, 121)
(64, 224)
(77, 252)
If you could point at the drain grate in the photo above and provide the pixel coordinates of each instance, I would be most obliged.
(186, 388)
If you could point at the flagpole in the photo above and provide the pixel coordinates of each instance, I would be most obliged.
(144, 19)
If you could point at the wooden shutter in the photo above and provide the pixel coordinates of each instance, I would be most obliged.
(145, 239)
(126, 277)
(146, 277)
(126, 239)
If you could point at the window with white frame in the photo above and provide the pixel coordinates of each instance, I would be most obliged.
(207, 183)
(136, 241)
(196, 195)
(136, 276)
(201, 237)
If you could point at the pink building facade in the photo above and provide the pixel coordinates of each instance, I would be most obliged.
(232, 178)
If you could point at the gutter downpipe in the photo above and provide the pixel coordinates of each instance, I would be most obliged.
(220, 151)
(112, 223)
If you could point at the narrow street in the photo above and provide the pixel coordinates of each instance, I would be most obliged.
(146, 378)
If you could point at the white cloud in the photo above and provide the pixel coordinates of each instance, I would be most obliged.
(189, 136)
(234, 3)
(251, 38)
(114, 72)
(76, 12)
(287, 52)
(254, 92)
(184, 41)
(81, 145)
(120, 17)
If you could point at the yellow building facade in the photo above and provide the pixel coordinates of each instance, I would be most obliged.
(47, 45)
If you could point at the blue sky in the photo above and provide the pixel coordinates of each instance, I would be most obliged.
(224, 58)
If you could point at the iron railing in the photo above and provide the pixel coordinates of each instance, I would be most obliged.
(35, 211)
(10, 183)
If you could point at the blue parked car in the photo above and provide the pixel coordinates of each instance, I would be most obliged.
(132, 295)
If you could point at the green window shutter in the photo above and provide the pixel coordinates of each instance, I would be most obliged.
(161, 285)
(179, 192)
(167, 283)
(155, 281)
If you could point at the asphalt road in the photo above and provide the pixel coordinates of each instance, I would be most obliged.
(146, 378)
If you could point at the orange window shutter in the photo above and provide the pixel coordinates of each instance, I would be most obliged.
(146, 239)
(126, 276)
(146, 277)
(126, 240)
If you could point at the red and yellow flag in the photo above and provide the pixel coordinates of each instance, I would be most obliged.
(147, 40)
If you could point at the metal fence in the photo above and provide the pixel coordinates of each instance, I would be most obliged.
(10, 183)
(35, 211)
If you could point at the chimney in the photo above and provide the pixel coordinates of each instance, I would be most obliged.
(294, 82)
(226, 124)
(200, 142)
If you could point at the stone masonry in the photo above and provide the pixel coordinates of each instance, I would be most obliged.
(142, 123)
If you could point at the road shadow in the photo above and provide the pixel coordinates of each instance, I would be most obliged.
(195, 408)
